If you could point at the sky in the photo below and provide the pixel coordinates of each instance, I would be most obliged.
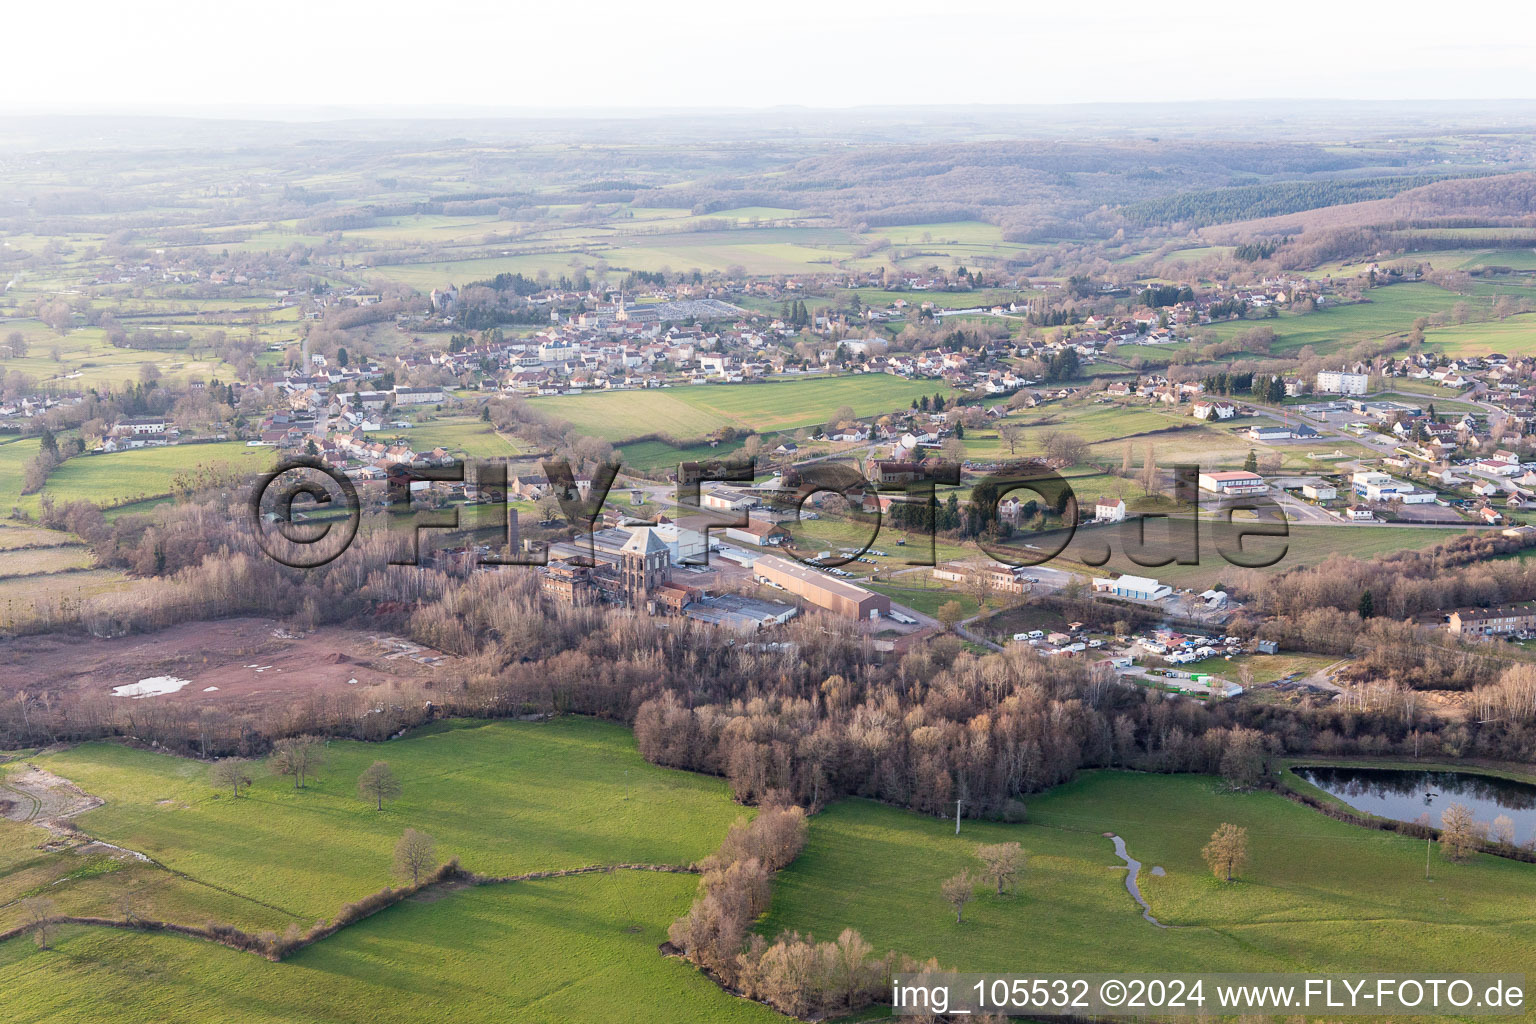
(171, 55)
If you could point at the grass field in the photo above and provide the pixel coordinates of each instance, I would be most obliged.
(954, 232)
(1267, 668)
(1318, 894)
(1389, 310)
(1175, 436)
(1306, 546)
(504, 797)
(468, 437)
(14, 456)
(93, 884)
(689, 412)
(1436, 259)
(761, 250)
(85, 359)
(563, 950)
(18, 535)
(659, 458)
(1513, 336)
(36, 561)
(925, 599)
(1092, 421)
(121, 477)
(20, 594)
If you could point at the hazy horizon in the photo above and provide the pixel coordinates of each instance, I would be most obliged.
(320, 111)
(172, 55)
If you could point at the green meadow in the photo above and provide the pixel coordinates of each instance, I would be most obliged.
(691, 411)
(660, 458)
(464, 436)
(558, 951)
(1318, 894)
(504, 797)
(14, 456)
(119, 478)
(926, 599)
(763, 240)
(82, 358)
(1515, 336)
(1389, 310)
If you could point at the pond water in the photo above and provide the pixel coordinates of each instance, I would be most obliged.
(1406, 795)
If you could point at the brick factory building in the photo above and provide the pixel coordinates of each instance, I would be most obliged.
(823, 591)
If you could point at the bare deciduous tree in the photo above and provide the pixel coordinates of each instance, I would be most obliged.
(1001, 862)
(849, 966)
(1149, 471)
(1227, 852)
(299, 757)
(1242, 762)
(958, 891)
(128, 905)
(232, 772)
(1011, 434)
(377, 784)
(1503, 830)
(42, 918)
(1067, 449)
(1461, 835)
(414, 853)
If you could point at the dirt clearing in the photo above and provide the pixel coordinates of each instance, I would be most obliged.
(42, 798)
(237, 664)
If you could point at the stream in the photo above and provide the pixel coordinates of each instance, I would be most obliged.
(1133, 870)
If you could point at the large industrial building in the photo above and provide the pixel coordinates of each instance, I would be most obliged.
(823, 591)
(1137, 588)
(684, 546)
(639, 574)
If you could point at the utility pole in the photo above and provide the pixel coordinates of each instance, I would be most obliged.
(957, 817)
(1429, 836)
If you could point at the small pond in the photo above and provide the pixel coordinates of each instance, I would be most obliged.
(1405, 795)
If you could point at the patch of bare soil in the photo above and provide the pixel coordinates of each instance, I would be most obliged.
(42, 798)
(236, 664)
